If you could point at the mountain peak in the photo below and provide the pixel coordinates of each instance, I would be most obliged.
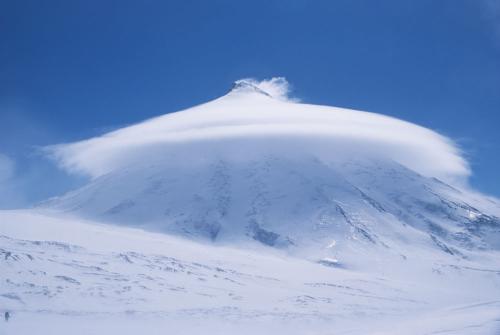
(276, 87)
(248, 86)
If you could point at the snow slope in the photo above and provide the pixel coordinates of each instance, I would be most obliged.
(62, 273)
(255, 213)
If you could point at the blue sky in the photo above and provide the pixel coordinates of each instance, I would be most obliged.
(74, 69)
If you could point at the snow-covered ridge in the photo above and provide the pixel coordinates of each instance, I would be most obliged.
(246, 86)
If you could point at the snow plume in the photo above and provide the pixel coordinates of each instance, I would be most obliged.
(257, 119)
(277, 87)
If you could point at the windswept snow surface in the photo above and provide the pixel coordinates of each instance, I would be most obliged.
(254, 213)
(62, 274)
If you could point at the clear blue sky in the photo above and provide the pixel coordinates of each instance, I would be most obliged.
(73, 69)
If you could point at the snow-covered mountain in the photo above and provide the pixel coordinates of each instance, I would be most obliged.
(289, 175)
(270, 214)
(292, 203)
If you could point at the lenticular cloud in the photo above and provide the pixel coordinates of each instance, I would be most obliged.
(259, 118)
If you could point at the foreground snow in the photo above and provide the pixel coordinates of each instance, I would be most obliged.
(61, 274)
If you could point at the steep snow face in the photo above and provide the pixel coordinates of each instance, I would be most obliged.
(300, 204)
(257, 118)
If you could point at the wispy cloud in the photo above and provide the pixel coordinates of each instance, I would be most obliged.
(10, 196)
(7, 167)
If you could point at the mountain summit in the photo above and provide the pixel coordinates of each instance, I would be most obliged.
(245, 86)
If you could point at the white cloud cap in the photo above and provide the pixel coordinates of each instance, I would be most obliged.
(256, 118)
